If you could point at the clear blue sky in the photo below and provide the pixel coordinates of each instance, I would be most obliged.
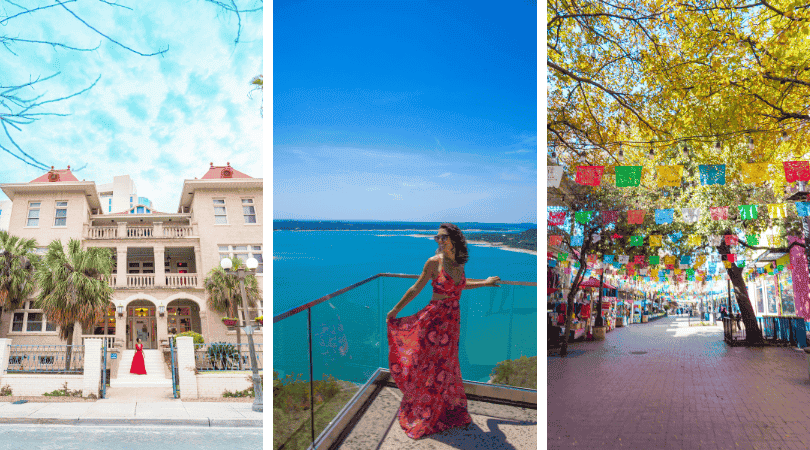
(405, 110)
(160, 119)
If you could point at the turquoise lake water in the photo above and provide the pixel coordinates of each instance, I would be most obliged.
(349, 334)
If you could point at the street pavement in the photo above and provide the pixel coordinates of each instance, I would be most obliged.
(60, 437)
(133, 406)
(663, 385)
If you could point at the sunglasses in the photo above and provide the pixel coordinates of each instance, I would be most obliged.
(441, 237)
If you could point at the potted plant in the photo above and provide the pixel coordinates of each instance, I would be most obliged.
(259, 320)
(230, 321)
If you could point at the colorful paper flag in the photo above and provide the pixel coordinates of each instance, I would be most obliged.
(583, 217)
(577, 241)
(654, 259)
(636, 241)
(695, 239)
(555, 174)
(752, 239)
(589, 175)
(669, 175)
(777, 210)
(715, 240)
(655, 240)
(562, 256)
(664, 216)
(596, 237)
(712, 174)
(797, 171)
(803, 209)
(731, 257)
(685, 259)
(554, 240)
(610, 217)
(628, 176)
(690, 215)
(608, 259)
(719, 212)
(556, 218)
(676, 236)
(748, 212)
(755, 173)
(635, 216)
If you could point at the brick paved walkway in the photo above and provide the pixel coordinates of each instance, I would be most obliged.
(662, 385)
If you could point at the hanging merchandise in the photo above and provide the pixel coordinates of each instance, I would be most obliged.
(755, 173)
(796, 171)
(748, 212)
(583, 217)
(712, 174)
(798, 260)
(690, 215)
(609, 217)
(669, 176)
(628, 176)
(555, 174)
(664, 216)
(777, 210)
(556, 218)
(635, 216)
(719, 212)
(589, 175)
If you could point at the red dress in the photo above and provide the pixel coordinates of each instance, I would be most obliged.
(138, 365)
(423, 358)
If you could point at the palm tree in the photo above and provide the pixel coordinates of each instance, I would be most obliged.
(17, 263)
(73, 287)
(224, 295)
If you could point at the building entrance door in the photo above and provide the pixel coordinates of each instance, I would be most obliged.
(141, 324)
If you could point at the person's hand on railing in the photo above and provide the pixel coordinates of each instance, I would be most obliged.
(492, 281)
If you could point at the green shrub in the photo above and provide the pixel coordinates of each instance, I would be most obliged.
(223, 355)
(249, 392)
(64, 392)
(198, 339)
(516, 372)
(293, 394)
(5, 391)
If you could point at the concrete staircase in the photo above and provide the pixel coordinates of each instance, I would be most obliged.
(155, 371)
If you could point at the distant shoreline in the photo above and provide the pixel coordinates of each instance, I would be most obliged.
(485, 244)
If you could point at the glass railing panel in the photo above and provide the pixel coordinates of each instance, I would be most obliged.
(348, 337)
(291, 415)
(497, 323)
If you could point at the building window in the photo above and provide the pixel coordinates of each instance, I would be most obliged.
(33, 214)
(243, 252)
(220, 215)
(30, 320)
(61, 214)
(248, 210)
(98, 328)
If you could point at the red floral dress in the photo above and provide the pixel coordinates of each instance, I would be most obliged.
(423, 358)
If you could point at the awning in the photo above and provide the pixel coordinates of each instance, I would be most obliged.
(594, 283)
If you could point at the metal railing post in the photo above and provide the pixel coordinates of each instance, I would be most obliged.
(311, 379)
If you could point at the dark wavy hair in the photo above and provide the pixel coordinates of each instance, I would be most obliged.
(459, 243)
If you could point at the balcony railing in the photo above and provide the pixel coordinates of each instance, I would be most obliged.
(180, 280)
(344, 335)
(154, 231)
(141, 281)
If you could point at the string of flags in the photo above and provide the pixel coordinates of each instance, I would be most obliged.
(671, 175)
(688, 215)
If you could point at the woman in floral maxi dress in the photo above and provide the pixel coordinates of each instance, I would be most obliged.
(423, 348)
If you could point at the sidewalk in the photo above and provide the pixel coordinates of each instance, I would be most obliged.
(663, 385)
(133, 407)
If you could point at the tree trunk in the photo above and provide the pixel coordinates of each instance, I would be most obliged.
(569, 309)
(753, 335)
(69, 351)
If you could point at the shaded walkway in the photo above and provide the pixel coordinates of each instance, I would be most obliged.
(663, 385)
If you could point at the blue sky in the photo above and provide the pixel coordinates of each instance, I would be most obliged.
(405, 110)
(160, 119)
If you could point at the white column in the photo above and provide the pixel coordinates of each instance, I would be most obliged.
(198, 269)
(122, 230)
(92, 367)
(5, 352)
(186, 366)
(160, 271)
(121, 273)
(157, 230)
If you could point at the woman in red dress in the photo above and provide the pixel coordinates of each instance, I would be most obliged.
(423, 348)
(138, 364)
